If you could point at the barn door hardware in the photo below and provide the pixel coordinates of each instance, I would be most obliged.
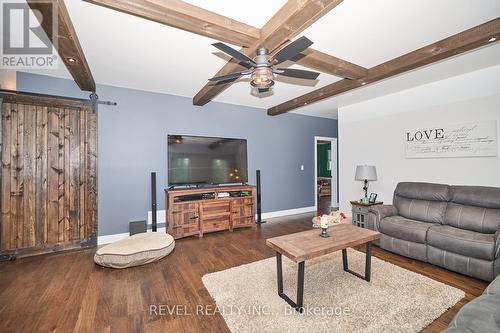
(94, 98)
(94, 101)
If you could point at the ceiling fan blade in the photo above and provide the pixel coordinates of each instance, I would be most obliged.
(298, 73)
(292, 49)
(235, 54)
(229, 76)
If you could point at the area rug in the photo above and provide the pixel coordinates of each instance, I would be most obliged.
(396, 299)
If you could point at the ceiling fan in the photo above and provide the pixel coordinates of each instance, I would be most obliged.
(262, 68)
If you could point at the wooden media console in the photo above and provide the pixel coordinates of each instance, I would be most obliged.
(200, 210)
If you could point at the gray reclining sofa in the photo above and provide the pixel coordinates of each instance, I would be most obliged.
(455, 227)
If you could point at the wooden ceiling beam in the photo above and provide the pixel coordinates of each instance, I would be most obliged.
(68, 46)
(286, 24)
(293, 18)
(326, 63)
(181, 15)
(459, 43)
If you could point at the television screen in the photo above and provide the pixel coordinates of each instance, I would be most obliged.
(206, 160)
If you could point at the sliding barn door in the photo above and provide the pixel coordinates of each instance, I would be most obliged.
(48, 175)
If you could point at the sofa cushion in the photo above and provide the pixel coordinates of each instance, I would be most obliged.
(475, 208)
(473, 218)
(464, 242)
(493, 288)
(423, 191)
(421, 210)
(405, 229)
(480, 315)
(421, 201)
(480, 196)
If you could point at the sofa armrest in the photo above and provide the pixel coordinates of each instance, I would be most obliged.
(380, 212)
(497, 244)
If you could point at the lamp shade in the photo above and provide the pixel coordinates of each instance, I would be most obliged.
(366, 172)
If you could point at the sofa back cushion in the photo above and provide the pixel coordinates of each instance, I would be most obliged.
(474, 208)
(422, 201)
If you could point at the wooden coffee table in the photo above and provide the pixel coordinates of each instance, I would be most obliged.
(305, 245)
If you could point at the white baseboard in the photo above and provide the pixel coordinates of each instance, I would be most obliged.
(102, 240)
(287, 212)
(161, 218)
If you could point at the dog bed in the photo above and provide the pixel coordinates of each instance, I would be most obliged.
(135, 250)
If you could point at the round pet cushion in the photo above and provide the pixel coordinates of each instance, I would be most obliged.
(135, 250)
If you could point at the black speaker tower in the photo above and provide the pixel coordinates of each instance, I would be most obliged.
(259, 198)
(153, 201)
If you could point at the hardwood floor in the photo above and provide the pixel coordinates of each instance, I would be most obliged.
(324, 205)
(68, 293)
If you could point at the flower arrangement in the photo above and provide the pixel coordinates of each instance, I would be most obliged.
(325, 221)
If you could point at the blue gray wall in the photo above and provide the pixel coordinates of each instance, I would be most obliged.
(132, 142)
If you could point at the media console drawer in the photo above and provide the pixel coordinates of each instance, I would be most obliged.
(214, 208)
(215, 223)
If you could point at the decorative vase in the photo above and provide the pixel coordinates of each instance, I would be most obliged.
(324, 233)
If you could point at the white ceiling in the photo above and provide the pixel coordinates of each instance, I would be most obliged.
(127, 51)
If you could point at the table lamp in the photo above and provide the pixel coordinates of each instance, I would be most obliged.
(366, 173)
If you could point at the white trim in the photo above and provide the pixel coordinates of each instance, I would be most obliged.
(287, 212)
(111, 238)
(106, 239)
(335, 175)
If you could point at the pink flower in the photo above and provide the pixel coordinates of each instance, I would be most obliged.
(342, 215)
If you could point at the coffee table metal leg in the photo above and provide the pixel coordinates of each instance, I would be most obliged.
(368, 263)
(345, 263)
(300, 284)
(279, 273)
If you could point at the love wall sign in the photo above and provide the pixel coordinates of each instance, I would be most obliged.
(460, 140)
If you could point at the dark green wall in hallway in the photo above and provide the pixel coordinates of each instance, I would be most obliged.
(323, 160)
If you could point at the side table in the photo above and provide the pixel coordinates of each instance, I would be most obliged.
(360, 212)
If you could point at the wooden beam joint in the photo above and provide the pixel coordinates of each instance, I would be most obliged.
(293, 18)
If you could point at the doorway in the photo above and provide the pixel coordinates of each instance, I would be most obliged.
(325, 174)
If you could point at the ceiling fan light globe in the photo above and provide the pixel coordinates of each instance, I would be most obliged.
(262, 77)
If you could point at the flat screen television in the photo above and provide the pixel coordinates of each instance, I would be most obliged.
(197, 160)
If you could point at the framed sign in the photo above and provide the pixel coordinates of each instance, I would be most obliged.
(472, 139)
